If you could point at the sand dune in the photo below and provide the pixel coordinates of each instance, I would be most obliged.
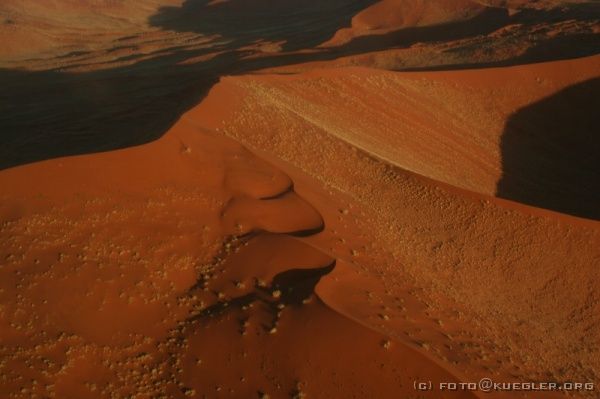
(34, 29)
(448, 126)
(390, 15)
(469, 253)
(290, 199)
(254, 295)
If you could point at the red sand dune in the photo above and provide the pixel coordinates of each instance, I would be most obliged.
(320, 224)
(142, 316)
(388, 15)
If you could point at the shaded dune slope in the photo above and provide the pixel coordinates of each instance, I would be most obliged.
(550, 152)
(165, 60)
(254, 21)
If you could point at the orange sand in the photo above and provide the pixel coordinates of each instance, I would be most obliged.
(405, 198)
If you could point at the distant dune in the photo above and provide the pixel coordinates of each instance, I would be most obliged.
(390, 15)
(286, 199)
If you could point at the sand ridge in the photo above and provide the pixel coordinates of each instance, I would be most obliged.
(257, 287)
(198, 201)
(485, 270)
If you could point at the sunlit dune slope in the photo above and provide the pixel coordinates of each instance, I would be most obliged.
(32, 29)
(388, 15)
(123, 274)
(372, 194)
(448, 126)
(515, 275)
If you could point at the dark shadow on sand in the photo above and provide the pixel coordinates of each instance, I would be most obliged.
(50, 114)
(299, 24)
(551, 152)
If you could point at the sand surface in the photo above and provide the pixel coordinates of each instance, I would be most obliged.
(237, 199)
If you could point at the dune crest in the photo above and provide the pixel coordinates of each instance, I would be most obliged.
(473, 257)
(199, 293)
(447, 126)
(291, 199)
(389, 15)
